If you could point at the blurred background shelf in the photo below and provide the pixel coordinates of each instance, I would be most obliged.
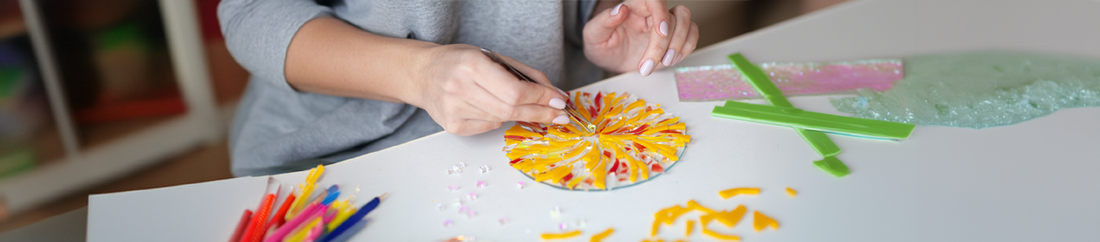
(127, 85)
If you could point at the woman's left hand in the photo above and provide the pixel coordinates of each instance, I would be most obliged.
(640, 35)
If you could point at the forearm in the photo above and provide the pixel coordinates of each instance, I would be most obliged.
(330, 56)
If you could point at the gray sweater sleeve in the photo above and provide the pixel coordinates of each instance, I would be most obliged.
(258, 32)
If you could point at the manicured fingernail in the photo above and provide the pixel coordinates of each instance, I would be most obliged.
(557, 103)
(647, 68)
(679, 57)
(669, 56)
(561, 120)
(615, 10)
(563, 93)
(664, 28)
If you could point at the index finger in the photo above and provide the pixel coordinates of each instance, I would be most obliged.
(660, 37)
(512, 91)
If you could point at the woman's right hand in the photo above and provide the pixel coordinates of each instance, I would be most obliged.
(467, 93)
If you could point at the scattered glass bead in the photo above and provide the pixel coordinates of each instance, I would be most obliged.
(462, 209)
(520, 185)
(455, 170)
(461, 165)
(447, 223)
(556, 212)
(453, 188)
(471, 214)
(563, 226)
(484, 168)
(581, 223)
(458, 202)
(480, 184)
(503, 220)
(472, 196)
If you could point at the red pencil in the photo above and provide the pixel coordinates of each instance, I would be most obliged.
(279, 216)
(240, 226)
(258, 231)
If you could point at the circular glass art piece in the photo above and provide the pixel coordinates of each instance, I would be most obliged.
(612, 141)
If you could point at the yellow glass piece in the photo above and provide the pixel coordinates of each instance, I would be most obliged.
(731, 218)
(739, 191)
(520, 131)
(565, 235)
(599, 237)
(690, 228)
(695, 205)
(721, 236)
(600, 175)
(576, 180)
(791, 192)
(554, 175)
(760, 222)
(656, 224)
(668, 215)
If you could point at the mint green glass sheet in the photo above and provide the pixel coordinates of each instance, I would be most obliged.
(755, 76)
(981, 89)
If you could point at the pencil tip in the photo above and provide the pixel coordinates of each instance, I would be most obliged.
(383, 196)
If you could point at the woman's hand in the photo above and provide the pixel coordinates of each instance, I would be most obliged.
(467, 93)
(461, 88)
(640, 35)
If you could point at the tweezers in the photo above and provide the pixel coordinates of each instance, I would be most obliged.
(496, 58)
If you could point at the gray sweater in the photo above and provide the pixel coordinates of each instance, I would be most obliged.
(278, 129)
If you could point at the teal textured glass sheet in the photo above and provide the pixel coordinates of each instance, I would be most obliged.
(981, 89)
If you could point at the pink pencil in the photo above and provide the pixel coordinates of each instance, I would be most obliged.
(294, 223)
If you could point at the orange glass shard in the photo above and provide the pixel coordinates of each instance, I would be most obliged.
(720, 236)
(565, 235)
(728, 193)
(791, 192)
(730, 218)
(599, 237)
(760, 222)
(690, 228)
(613, 140)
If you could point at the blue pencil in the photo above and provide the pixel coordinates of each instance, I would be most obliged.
(351, 221)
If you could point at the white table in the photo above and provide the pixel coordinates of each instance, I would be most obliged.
(1034, 181)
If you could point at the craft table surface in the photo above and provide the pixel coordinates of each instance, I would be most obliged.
(1034, 181)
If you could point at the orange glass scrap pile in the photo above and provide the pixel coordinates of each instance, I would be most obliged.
(729, 218)
(610, 136)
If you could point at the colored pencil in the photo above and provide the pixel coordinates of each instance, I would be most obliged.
(240, 226)
(363, 211)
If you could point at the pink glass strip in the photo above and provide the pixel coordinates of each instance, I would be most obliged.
(723, 82)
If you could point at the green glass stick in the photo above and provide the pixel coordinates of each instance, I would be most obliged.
(833, 166)
(763, 85)
(797, 118)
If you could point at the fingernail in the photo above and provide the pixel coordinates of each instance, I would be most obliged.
(561, 120)
(669, 56)
(557, 103)
(563, 93)
(616, 9)
(679, 57)
(664, 28)
(647, 68)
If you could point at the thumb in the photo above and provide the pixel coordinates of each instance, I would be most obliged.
(601, 26)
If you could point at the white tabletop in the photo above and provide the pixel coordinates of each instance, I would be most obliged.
(1034, 181)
